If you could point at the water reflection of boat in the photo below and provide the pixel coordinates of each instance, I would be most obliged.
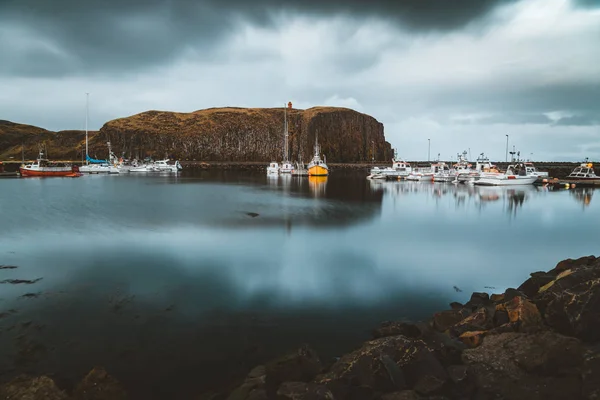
(317, 185)
(583, 195)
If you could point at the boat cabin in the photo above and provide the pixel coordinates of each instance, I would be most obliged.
(584, 171)
(400, 165)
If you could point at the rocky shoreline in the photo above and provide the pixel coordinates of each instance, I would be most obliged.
(538, 341)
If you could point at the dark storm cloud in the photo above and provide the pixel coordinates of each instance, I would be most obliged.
(64, 37)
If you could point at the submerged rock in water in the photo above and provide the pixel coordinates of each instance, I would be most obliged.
(28, 388)
(21, 281)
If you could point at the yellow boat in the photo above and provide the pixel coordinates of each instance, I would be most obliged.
(317, 167)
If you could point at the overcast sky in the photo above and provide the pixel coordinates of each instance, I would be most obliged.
(463, 73)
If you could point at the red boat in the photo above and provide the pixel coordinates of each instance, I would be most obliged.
(43, 167)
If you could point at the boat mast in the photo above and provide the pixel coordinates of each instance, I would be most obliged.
(285, 132)
(87, 96)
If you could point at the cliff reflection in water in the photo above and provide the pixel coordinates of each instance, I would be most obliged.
(317, 201)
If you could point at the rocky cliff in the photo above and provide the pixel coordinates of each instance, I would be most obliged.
(215, 134)
(249, 134)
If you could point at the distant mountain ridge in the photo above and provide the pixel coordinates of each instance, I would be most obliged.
(214, 134)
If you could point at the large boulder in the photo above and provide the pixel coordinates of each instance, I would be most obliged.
(28, 388)
(384, 365)
(526, 366)
(570, 303)
(253, 386)
(299, 366)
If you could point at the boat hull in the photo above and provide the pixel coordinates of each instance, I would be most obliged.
(318, 170)
(510, 180)
(93, 169)
(48, 171)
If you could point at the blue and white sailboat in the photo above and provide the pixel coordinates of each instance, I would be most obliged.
(93, 166)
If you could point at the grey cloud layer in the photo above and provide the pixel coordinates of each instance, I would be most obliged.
(66, 37)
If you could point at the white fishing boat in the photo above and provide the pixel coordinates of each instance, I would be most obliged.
(427, 174)
(531, 170)
(421, 175)
(516, 174)
(483, 166)
(443, 173)
(377, 176)
(158, 166)
(399, 169)
(286, 167)
(273, 168)
(584, 172)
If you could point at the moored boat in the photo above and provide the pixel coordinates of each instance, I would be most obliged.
(516, 174)
(286, 165)
(443, 173)
(42, 167)
(273, 168)
(483, 166)
(317, 167)
(158, 166)
(532, 170)
(584, 172)
(400, 169)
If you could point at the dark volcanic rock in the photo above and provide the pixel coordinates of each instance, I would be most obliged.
(403, 395)
(522, 314)
(480, 320)
(253, 387)
(526, 366)
(248, 134)
(591, 374)
(370, 366)
(532, 285)
(571, 303)
(99, 385)
(300, 366)
(27, 388)
(303, 391)
(444, 320)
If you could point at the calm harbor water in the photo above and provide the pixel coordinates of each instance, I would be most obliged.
(177, 284)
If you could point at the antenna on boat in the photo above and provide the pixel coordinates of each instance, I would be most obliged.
(22, 153)
(87, 97)
(285, 127)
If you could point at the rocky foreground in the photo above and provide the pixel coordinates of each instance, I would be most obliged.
(539, 341)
